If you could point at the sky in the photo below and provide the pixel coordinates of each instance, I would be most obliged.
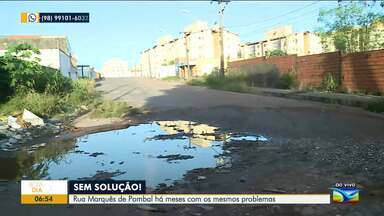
(122, 29)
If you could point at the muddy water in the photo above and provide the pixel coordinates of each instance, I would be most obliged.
(158, 152)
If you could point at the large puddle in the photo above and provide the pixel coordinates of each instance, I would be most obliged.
(158, 152)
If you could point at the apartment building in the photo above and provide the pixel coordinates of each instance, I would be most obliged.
(55, 51)
(283, 38)
(196, 50)
(115, 68)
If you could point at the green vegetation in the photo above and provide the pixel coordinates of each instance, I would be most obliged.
(277, 52)
(111, 109)
(353, 26)
(287, 81)
(330, 83)
(375, 106)
(242, 79)
(25, 84)
(47, 104)
(171, 78)
(217, 82)
(167, 63)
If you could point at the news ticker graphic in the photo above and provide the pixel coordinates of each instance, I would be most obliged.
(133, 192)
(44, 191)
(26, 17)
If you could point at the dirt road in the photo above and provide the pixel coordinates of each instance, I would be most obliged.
(311, 147)
(272, 116)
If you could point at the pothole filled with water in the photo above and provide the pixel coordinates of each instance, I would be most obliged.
(158, 152)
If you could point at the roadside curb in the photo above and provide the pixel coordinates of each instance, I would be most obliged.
(324, 97)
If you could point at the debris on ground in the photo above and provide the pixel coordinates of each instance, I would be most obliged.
(12, 122)
(22, 128)
(31, 118)
(201, 178)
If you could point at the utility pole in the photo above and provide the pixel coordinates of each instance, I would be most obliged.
(222, 4)
(149, 64)
(186, 34)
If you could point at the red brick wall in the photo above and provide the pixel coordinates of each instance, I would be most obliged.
(283, 63)
(363, 71)
(311, 69)
(251, 61)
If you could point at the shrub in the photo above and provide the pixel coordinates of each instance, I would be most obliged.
(277, 52)
(52, 81)
(377, 106)
(330, 83)
(41, 104)
(287, 80)
(83, 92)
(261, 75)
(5, 82)
(21, 73)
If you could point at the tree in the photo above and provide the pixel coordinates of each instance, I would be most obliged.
(5, 80)
(21, 63)
(20, 72)
(276, 52)
(352, 26)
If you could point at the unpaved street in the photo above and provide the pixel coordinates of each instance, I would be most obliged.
(272, 116)
(311, 147)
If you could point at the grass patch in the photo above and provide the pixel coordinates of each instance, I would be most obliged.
(377, 106)
(41, 104)
(171, 78)
(25, 84)
(49, 105)
(215, 82)
(244, 78)
(113, 109)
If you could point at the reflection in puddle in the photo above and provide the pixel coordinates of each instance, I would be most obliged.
(157, 152)
(254, 138)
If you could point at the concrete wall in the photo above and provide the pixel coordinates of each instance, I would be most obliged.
(165, 71)
(66, 67)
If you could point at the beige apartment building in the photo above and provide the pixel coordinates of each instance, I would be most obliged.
(197, 47)
(115, 68)
(283, 38)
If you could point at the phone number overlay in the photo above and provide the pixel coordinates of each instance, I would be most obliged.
(64, 17)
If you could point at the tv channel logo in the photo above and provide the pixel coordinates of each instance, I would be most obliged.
(29, 17)
(345, 195)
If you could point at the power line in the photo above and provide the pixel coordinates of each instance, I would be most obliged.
(265, 27)
(276, 17)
